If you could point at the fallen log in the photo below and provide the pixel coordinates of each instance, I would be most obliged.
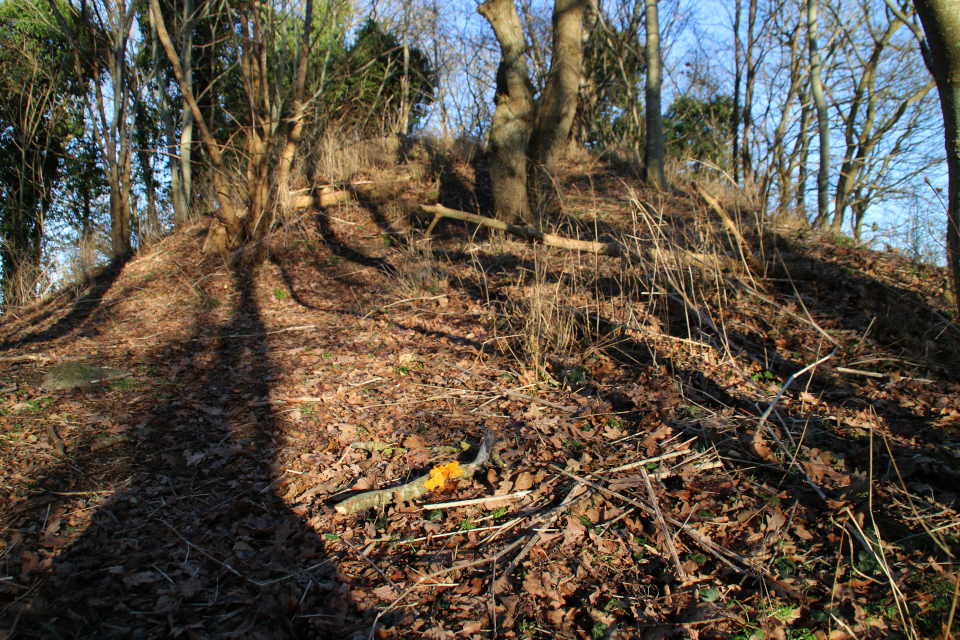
(320, 199)
(681, 257)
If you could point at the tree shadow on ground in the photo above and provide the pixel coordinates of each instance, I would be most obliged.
(84, 307)
(196, 543)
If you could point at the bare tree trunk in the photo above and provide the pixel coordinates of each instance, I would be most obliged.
(801, 199)
(750, 67)
(780, 161)
(863, 97)
(799, 155)
(440, 65)
(512, 123)
(558, 102)
(185, 179)
(180, 214)
(526, 140)
(227, 215)
(293, 141)
(406, 99)
(738, 71)
(114, 26)
(941, 23)
(823, 173)
(118, 159)
(867, 123)
(654, 153)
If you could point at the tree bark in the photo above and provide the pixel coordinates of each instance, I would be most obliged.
(654, 152)
(512, 124)
(941, 23)
(823, 173)
(185, 179)
(296, 132)
(526, 140)
(750, 67)
(558, 101)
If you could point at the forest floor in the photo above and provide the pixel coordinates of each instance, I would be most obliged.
(197, 498)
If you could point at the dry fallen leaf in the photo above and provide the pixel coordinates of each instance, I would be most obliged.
(573, 532)
(523, 482)
(472, 626)
(385, 593)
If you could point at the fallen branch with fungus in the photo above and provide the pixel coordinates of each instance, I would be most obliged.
(422, 485)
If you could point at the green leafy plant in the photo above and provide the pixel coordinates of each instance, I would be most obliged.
(867, 563)
(598, 630)
(761, 377)
(771, 499)
(280, 294)
(710, 594)
(614, 422)
(577, 374)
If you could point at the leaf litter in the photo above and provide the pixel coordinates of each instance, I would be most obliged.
(650, 478)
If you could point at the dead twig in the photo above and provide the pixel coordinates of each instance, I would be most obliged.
(612, 249)
(405, 300)
(664, 529)
(24, 358)
(109, 442)
(642, 463)
(207, 555)
(742, 245)
(58, 443)
(237, 573)
(571, 499)
(442, 572)
(858, 372)
(467, 503)
(772, 406)
(807, 321)
(512, 394)
(372, 564)
(720, 553)
(566, 504)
